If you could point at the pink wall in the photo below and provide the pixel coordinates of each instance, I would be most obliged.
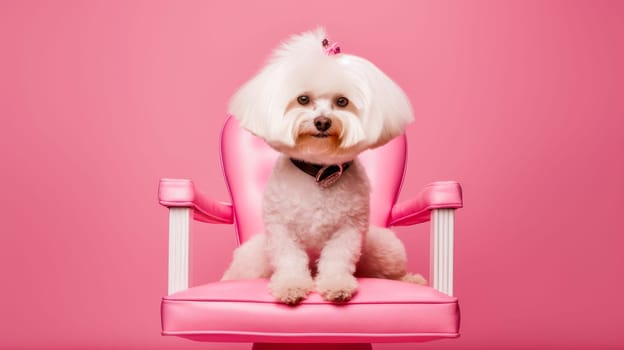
(520, 101)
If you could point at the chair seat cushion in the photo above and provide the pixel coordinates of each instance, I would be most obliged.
(244, 311)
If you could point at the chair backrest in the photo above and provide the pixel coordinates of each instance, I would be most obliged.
(247, 162)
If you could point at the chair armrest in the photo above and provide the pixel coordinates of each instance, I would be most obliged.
(182, 193)
(436, 195)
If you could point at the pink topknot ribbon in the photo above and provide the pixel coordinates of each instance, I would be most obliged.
(332, 49)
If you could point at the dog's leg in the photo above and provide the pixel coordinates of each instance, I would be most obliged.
(335, 280)
(291, 281)
(383, 256)
(250, 261)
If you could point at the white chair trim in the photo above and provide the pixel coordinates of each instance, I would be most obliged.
(179, 234)
(442, 250)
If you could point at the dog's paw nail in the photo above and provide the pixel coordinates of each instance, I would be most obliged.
(340, 296)
(292, 296)
(337, 290)
(292, 301)
(291, 293)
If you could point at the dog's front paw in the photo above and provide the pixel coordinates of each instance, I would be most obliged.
(290, 290)
(338, 289)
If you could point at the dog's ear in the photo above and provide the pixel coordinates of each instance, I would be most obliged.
(386, 110)
(251, 104)
(260, 103)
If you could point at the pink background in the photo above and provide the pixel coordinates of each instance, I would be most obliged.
(521, 101)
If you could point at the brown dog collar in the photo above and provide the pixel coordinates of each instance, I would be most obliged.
(325, 175)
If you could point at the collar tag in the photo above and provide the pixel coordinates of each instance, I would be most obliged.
(328, 175)
(325, 175)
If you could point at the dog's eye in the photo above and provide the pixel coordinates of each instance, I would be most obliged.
(303, 100)
(342, 102)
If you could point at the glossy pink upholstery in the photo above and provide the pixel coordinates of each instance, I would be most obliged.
(244, 311)
(436, 195)
(182, 193)
(382, 311)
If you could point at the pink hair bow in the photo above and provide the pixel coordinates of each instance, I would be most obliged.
(332, 49)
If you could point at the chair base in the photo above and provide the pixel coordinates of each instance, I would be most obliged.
(323, 346)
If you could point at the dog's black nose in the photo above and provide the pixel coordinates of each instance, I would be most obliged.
(322, 123)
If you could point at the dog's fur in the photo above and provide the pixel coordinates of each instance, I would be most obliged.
(318, 237)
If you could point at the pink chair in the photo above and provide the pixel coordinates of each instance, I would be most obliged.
(243, 311)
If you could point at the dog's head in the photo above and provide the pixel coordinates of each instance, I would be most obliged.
(316, 104)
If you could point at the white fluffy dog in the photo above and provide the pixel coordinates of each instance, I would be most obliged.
(320, 108)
